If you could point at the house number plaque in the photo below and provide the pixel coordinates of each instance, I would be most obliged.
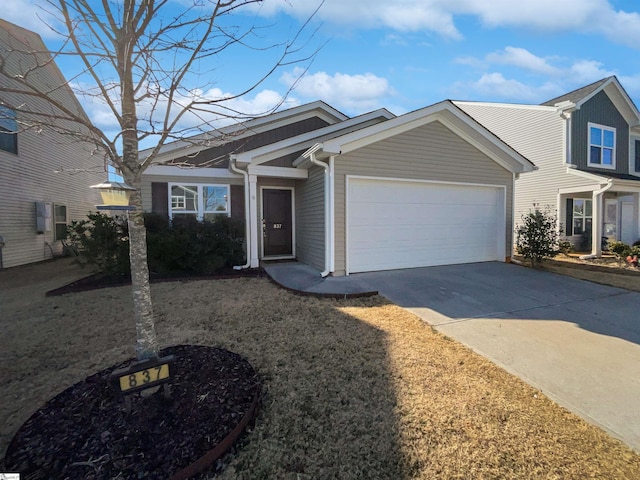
(277, 226)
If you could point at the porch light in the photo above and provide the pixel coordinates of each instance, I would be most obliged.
(115, 195)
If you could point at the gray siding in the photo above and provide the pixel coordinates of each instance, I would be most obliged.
(49, 166)
(538, 133)
(310, 242)
(602, 111)
(431, 152)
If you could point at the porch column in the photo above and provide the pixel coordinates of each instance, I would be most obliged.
(596, 224)
(253, 221)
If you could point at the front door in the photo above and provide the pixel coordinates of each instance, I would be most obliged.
(277, 224)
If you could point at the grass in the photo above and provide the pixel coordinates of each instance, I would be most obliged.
(354, 388)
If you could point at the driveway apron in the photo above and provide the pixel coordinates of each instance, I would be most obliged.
(576, 341)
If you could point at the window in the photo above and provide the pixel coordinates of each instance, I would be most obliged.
(8, 129)
(637, 156)
(602, 146)
(202, 202)
(579, 216)
(60, 219)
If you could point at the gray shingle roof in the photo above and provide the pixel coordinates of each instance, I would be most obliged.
(577, 95)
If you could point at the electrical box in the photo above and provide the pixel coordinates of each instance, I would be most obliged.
(44, 220)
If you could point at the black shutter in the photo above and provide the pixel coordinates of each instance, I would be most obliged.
(569, 214)
(160, 198)
(237, 202)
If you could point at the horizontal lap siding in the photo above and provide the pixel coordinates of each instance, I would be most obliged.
(430, 152)
(310, 242)
(538, 133)
(49, 167)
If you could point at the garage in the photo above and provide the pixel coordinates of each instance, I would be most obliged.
(395, 223)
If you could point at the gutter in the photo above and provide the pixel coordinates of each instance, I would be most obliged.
(596, 249)
(247, 234)
(327, 205)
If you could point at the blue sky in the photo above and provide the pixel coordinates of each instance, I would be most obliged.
(406, 54)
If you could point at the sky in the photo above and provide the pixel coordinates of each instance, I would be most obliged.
(406, 54)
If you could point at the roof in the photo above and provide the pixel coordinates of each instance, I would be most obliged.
(579, 94)
(444, 112)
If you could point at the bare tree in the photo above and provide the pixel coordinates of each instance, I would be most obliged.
(148, 62)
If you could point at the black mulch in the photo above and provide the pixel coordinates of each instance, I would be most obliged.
(102, 280)
(86, 431)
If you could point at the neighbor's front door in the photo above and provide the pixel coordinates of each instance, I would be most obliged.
(277, 224)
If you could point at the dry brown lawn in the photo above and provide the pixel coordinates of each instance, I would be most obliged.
(354, 389)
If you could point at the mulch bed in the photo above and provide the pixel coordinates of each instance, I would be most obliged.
(101, 280)
(87, 432)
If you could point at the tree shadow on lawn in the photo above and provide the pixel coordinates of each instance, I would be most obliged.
(328, 409)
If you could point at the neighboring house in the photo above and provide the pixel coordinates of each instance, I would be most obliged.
(586, 145)
(44, 175)
(346, 195)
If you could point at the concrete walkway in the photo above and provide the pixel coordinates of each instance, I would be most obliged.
(576, 341)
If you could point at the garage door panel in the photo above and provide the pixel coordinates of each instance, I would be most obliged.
(394, 224)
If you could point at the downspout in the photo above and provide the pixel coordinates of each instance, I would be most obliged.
(247, 233)
(327, 213)
(596, 238)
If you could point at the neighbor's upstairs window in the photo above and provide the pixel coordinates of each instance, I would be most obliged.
(202, 202)
(8, 130)
(637, 156)
(602, 146)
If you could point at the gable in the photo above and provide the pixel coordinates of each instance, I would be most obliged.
(602, 111)
(218, 156)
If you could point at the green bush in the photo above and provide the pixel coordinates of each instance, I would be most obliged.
(101, 242)
(537, 236)
(621, 250)
(565, 247)
(189, 246)
(184, 246)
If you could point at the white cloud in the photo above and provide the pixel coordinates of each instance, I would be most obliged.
(496, 87)
(354, 93)
(34, 15)
(585, 16)
(522, 58)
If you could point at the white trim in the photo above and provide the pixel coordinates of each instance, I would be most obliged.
(173, 171)
(296, 143)
(571, 190)
(293, 223)
(332, 213)
(602, 147)
(601, 178)
(200, 212)
(501, 232)
(204, 141)
(279, 172)
(503, 154)
(632, 155)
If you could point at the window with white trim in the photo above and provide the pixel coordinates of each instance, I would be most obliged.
(579, 216)
(60, 219)
(202, 202)
(636, 158)
(8, 130)
(602, 146)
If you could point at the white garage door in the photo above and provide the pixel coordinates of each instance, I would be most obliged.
(402, 224)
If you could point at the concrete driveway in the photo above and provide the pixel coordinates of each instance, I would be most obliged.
(576, 341)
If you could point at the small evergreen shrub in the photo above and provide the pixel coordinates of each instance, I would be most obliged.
(101, 242)
(184, 246)
(538, 235)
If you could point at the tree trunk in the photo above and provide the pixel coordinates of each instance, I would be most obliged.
(146, 340)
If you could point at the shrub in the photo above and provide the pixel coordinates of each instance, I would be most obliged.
(565, 247)
(189, 246)
(537, 236)
(101, 242)
(620, 249)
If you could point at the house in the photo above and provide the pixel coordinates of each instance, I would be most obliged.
(44, 174)
(586, 145)
(347, 195)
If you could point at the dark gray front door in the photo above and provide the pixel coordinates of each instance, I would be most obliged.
(277, 225)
